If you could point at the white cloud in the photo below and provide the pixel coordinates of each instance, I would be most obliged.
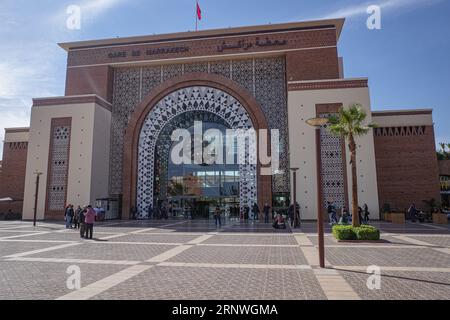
(387, 5)
(99, 6)
(26, 75)
(40, 72)
(90, 9)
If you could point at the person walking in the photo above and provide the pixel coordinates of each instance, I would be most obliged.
(266, 211)
(90, 219)
(150, 212)
(217, 217)
(297, 215)
(360, 214)
(82, 220)
(291, 214)
(331, 210)
(255, 211)
(366, 213)
(68, 215)
(133, 213)
(76, 218)
(246, 212)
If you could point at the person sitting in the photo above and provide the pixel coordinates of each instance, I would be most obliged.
(412, 212)
(345, 215)
(280, 222)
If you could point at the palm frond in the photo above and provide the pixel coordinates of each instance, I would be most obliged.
(350, 120)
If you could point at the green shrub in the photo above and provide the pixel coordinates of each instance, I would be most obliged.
(342, 232)
(363, 232)
(367, 233)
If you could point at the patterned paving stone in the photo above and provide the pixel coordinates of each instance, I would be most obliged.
(99, 251)
(165, 283)
(438, 241)
(157, 238)
(262, 239)
(402, 285)
(12, 234)
(8, 248)
(72, 235)
(30, 279)
(242, 255)
(328, 240)
(406, 257)
(44, 281)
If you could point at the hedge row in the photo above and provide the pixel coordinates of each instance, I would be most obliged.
(363, 232)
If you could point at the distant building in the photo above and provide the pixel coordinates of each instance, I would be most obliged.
(13, 168)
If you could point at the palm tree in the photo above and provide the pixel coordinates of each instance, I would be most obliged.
(443, 147)
(350, 124)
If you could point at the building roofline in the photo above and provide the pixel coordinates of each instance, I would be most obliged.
(18, 129)
(213, 33)
(383, 113)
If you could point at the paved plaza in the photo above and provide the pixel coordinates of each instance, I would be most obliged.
(194, 260)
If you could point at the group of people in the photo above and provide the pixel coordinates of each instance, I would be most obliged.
(346, 216)
(427, 216)
(81, 218)
(158, 212)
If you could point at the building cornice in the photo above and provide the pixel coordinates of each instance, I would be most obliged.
(327, 84)
(406, 112)
(205, 34)
(80, 99)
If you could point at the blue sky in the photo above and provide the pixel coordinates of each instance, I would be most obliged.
(407, 61)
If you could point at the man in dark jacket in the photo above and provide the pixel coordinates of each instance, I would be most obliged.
(266, 211)
(82, 219)
(255, 211)
(68, 215)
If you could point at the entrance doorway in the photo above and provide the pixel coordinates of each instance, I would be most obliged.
(192, 207)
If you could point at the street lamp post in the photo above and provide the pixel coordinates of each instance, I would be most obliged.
(317, 123)
(38, 175)
(294, 197)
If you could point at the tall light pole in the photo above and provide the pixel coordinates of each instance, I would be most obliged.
(294, 197)
(38, 175)
(317, 123)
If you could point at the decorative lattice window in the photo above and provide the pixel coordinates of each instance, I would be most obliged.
(58, 164)
(333, 166)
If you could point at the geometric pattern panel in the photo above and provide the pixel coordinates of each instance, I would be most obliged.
(263, 77)
(333, 173)
(199, 98)
(400, 131)
(269, 94)
(59, 165)
(127, 89)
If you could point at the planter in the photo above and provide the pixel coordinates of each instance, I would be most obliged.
(398, 218)
(439, 218)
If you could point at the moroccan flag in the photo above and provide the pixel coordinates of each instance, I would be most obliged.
(199, 12)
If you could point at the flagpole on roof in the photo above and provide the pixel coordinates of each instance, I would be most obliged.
(196, 15)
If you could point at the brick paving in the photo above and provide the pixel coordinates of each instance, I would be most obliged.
(194, 260)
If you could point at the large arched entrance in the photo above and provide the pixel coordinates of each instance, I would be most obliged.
(188, 104)
(180, 101)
